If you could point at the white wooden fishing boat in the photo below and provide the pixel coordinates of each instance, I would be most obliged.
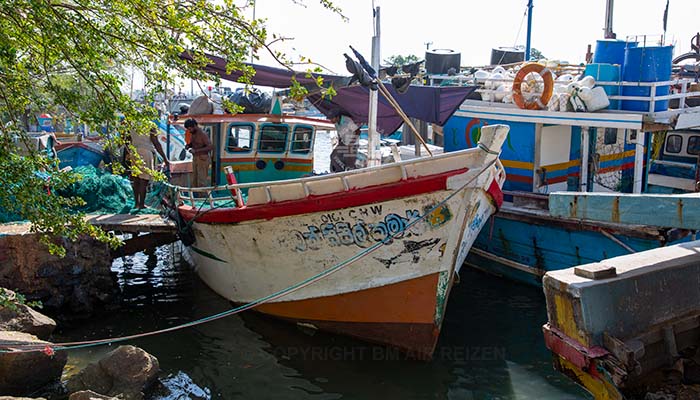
(393, 236)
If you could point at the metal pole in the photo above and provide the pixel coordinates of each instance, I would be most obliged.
(251, 49)
(639, 155)
(529, 30)
(167, 136)
(373, 154)
(583, 184)
(609, 34)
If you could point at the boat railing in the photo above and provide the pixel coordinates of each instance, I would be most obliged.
(679, 89)
(215, 194)
(290, 189)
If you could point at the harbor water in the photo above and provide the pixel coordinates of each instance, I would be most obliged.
(491, 346)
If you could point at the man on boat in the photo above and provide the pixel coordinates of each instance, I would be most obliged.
(344, 154)
(200, 146)
(144, 146)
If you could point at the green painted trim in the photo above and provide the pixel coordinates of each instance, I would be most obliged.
(443, 289)
(206, 254)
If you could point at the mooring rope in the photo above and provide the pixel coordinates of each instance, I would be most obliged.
(50, 348)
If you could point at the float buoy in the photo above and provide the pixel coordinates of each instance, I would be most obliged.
(540, 102)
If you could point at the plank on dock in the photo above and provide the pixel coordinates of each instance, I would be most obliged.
(132, 223)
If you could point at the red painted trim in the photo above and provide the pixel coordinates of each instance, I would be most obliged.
(496, 193)
(561, 178)
(519, 178)
(66, 145)
(614, 168)
(327, 202)
(570, 349)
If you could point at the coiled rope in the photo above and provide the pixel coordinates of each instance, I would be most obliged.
(23, 347)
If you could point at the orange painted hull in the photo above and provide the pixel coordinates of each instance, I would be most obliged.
(402, 315)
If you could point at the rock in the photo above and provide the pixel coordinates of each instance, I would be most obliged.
(659, 396)
(22, 373)
(25, 319)
(689, 393)
(73, 285)
(127, 370)
(89, 395)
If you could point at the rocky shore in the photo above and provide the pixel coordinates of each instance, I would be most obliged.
(30, 364)
(70, 287)
(73, 287)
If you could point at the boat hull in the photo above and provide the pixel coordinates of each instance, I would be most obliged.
(395, 293)
(79, 154)
(523, 245)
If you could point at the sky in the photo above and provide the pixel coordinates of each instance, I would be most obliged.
(561, 29)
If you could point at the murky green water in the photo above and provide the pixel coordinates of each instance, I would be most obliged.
(491, 345)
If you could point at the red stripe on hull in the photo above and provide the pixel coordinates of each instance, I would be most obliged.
(519, 178)
(328, 202)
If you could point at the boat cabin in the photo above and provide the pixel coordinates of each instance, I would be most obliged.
(676, 167)
(258, 147)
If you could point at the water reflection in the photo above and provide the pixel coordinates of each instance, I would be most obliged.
(491, 346)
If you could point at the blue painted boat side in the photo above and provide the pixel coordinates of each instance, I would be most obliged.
(516, 154)
(541, 247)
(679, 211)
(76, 156)
(489, 265)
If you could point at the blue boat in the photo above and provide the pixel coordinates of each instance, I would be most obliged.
(549, 151)
(76, 154)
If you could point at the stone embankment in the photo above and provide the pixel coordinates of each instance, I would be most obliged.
(72, 286)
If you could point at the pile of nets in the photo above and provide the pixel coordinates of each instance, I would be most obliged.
(106, 193)
(6, 216)
(102, 191)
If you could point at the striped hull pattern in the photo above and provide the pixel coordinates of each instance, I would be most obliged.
(395, 295)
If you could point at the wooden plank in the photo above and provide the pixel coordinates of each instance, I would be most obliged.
(669, 211)
(132, 223)
(143, 242)
(595, 271)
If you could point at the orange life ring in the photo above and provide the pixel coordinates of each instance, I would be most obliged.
(538, 103)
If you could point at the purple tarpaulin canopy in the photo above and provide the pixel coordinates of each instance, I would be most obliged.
(428, 103)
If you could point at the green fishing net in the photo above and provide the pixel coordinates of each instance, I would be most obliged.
(8, 217)
(102, 191)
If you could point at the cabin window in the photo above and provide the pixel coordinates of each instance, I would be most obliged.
(674, 144)
(302, 139)
(610, 136)
(694, 145)
(240, 138)
(273, 138)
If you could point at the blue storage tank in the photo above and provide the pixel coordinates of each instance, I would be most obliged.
(604, 72)
(646, 64)
(611, 51)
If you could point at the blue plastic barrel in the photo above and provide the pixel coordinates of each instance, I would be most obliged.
(611, 51)
(603, 72)
(646, 64)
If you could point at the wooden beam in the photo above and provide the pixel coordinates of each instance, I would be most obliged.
(669, 211)
(143, 242)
